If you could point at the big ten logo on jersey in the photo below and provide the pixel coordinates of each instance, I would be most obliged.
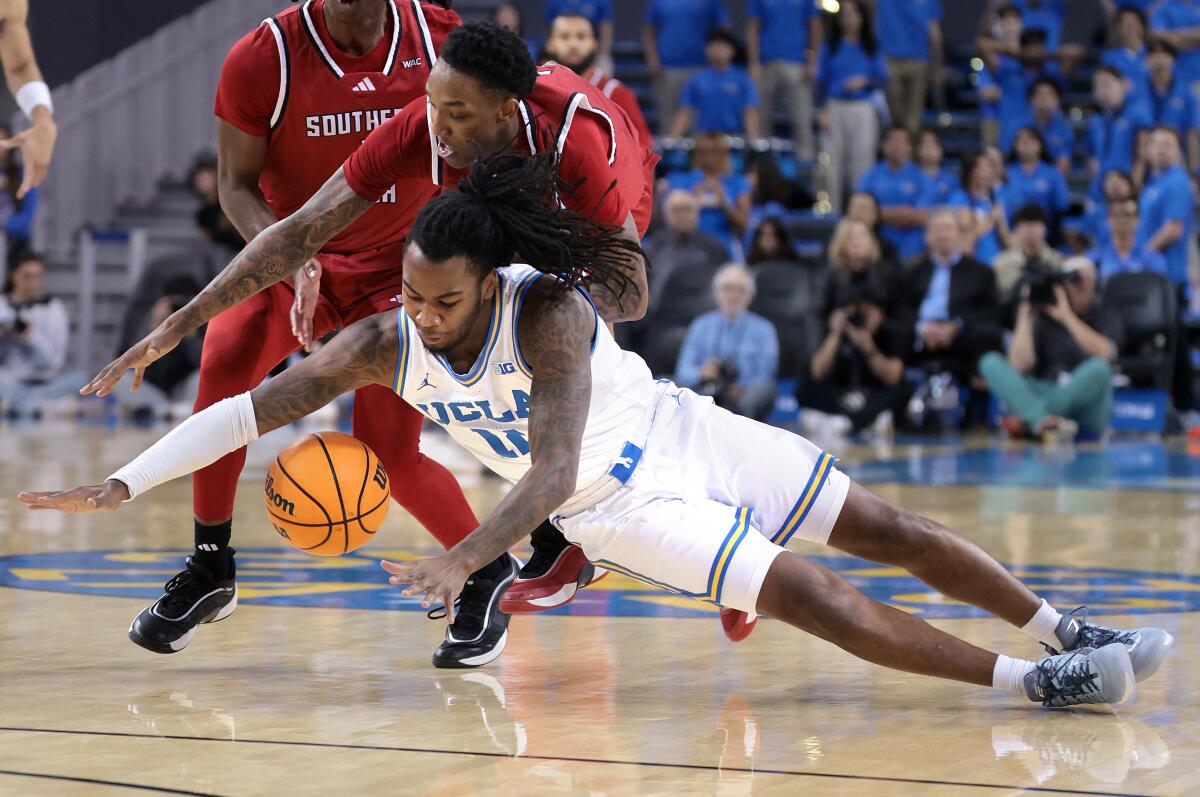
(486, 421)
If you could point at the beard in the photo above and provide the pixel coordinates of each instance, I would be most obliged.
(583, 66)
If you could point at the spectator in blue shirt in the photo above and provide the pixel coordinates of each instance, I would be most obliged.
(1178, 23)
(1123, 252)
(1111, 7)
(599, 12)
(980, 212)
(1129, 57)
(731, 353)
(1168, 206)
(1045, 115)
(1032, 179)
(910, 36)
(849, 72)
(721, 98)
(673, 37)
(1118, 187)
(724, 194)
(989, 105)
(929, 158)
(782, 40)
(904, 193)
(1171, 101)
(1043, 15)
(1016, 77)
(1113, 133)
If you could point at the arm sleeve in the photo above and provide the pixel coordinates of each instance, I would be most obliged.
(199, 441)
(691, 357)
(585, 166)
(396, 150)
(248, 89)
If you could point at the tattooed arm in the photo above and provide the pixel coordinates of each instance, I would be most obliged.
(627, 302)
(274, 254)
(364, 353)
(555, 333)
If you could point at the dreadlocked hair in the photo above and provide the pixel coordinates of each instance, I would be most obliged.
(496, 57)
(507, 207)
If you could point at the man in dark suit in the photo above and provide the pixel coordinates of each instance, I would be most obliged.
(952, 304)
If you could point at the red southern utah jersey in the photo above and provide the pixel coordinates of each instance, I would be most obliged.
(286, 80)
(599, 150)
(623, 96)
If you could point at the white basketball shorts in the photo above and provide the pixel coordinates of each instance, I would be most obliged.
(710, 503)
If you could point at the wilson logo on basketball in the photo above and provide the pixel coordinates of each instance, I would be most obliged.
(278, 500)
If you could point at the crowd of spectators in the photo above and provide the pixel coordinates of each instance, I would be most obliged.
(814, 139)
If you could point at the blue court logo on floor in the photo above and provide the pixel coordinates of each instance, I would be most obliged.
(281, 577)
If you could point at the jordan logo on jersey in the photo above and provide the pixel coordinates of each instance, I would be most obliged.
(425, 383)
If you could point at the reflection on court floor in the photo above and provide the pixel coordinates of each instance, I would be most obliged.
(278, 577)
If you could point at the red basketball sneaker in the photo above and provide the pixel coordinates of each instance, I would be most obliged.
(737, 624)
(552, 577)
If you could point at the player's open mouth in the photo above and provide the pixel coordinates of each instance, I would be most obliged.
(444, 149)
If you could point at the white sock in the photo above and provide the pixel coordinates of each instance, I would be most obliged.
(1009, 674)
(1043, 624)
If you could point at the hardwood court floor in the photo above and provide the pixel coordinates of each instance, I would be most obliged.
(320, 683)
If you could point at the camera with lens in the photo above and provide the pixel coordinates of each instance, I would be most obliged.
(1042, 282)
(727, 376)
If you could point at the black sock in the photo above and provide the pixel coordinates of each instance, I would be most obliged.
(493, 571)
(212, 548)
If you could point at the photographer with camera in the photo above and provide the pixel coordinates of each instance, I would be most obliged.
(1058, 370)
(34, 332)
(731, 353)
(1030, 231)
(857, 373)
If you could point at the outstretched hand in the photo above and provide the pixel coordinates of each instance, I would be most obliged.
(37, 147)
(96, 498)
(440, 579)
(150, 348)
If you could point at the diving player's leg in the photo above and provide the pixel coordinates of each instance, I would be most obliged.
(819, 601)
(432, 495)
(875, 529)
(241, 346)
(797, 492)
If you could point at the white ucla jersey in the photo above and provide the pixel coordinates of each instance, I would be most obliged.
(486, 410)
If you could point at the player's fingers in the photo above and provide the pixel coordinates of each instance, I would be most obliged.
(395, 568)
(10, 143)
(27, 183)
(138, 373)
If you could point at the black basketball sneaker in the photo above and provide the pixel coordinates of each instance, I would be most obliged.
(480, 630)
(192, 597)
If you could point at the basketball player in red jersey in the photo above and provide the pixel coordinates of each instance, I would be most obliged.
(296, 96)
(485, 95)
(573, 44)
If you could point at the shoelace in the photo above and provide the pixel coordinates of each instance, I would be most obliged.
(181, 590)
(1090, 634)
(1069, 678)
(472, 615)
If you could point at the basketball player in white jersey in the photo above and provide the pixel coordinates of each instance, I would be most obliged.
(24, 80)
(651, 479)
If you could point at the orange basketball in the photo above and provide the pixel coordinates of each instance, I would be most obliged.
(327, 494)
